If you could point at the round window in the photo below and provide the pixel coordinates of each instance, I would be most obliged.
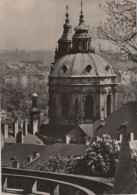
(65, 67)
(107, 68)
(88, 68)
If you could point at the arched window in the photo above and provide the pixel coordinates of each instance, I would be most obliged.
(76, 106)
(50, 104)
(65, 106)
(89, 107)
(83, 45)
(108, 104)
(77, 45)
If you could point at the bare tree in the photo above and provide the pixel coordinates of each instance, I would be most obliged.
(120, 27)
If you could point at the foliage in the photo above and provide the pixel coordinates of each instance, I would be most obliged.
(100, 159)
(134, 157)
(120, 27)
(16, 100)
(57, 163)
(126, 93)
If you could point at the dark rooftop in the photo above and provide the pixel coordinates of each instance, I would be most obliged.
(127, 112)
(21, 151)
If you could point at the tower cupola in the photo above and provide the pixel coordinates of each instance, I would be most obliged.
(34, 112)
(65, 42)
(81, 38)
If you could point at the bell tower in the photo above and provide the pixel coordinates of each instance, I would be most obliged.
(65, 42)
(34, 113)
(82, 85)
(81, 38)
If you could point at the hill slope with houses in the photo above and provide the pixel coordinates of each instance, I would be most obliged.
(19, 70)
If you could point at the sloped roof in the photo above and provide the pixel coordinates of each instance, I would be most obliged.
(55, 130)
(29, 139)
(76, 132)
(127, 112)
(87, 129)
(21, 151)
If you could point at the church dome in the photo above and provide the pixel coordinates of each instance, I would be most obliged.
(82, 65)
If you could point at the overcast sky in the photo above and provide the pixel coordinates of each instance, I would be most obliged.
(38, 24)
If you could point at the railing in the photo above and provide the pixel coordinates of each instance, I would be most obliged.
(53, 183)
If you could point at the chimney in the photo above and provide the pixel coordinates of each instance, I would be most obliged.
(36, 154)
(21, 124)
(35, 127)
(29, 159)
(20, 137)
(15, 164)
(15, 128)
(25, 128)
(5, 130)
(68, 139)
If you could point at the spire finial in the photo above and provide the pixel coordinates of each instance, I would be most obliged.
(67, 15)
(81, 20)
(67, 8)
(34, 86)
(81, 7)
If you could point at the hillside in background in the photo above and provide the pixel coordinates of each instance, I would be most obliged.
(19, 70)
(48, 57)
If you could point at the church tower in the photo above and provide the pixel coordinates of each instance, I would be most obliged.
(34, 113)
(81, 38)
(65, 42)
(82, 85)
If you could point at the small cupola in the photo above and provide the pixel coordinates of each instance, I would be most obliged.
(65, 42)
(81, 38)
(34, 98)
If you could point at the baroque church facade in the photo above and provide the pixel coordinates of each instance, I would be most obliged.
(82, 85)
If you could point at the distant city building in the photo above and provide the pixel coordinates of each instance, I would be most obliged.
(3, 115)
(24, 80)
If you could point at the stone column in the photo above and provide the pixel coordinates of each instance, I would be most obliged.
(77, 192)
(102, 109)
(83, 106)
(115, 99)
(30, 186)
(94, 105)
(55, 190)
(105, 105)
